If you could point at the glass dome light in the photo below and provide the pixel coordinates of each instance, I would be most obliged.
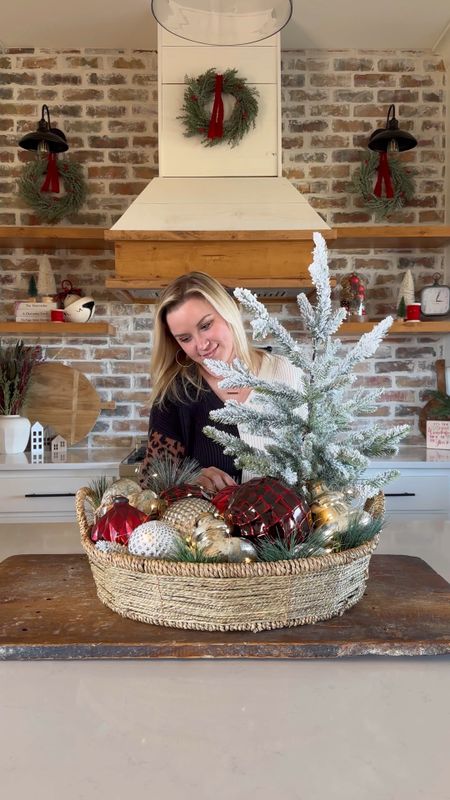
(222, 22)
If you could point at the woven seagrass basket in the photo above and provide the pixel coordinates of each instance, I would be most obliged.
(228, 597)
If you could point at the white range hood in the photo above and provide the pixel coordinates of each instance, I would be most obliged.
(214, 204)
(223, 210)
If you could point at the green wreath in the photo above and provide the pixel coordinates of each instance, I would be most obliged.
(199, 92)
(48, 206)
(402, 183)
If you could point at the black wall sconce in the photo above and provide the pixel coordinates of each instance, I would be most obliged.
(45, 139)
(391, 139)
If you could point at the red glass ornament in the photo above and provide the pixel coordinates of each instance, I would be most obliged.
(266, 507)
(185, 490)
(222, 498)
(118, 523)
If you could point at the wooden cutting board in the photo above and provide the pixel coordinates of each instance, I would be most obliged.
(64, 398)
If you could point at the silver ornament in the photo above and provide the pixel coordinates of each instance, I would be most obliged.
(110, 547)
(153, 539)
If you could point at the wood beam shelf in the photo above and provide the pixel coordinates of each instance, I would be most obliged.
(398, 327)
(86, 329)
(83, 237)
(398, 237)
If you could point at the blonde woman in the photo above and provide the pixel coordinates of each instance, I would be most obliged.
(196, 319)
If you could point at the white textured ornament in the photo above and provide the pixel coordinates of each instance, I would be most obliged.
(153, 539)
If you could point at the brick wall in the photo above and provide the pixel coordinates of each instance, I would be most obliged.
(106, 103)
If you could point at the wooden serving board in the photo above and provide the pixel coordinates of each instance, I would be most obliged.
(64, 398)
(49, 609)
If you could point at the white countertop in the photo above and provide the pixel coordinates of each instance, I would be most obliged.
(408, 456)
(414, 456)
(75, 458)
(350, 729)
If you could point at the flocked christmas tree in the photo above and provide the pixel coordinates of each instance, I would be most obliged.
(314, 438)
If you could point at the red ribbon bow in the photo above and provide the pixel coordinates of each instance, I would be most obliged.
(215, 130)
(51, 183)
(383, 176)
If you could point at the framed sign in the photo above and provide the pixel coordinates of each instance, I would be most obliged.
(438, 434)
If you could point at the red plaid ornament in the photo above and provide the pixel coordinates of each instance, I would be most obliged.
(185, 490)
(266, 507)
(222, 498)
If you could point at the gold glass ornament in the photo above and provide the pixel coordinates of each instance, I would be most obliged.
(329, 507)
(147, 501)
(228, 548)
(209, 523)
(184, 514)
(212, 536)
(121, 488)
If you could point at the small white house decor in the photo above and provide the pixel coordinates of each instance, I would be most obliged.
(37, 438)
(59, 448)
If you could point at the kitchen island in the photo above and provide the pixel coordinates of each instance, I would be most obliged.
(359, 729)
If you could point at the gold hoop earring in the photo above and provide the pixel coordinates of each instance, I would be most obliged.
(181, 364)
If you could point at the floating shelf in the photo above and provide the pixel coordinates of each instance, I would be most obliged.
(407, 237)
(352, 236)
(398, 327)
(57, 328)
(54, 237)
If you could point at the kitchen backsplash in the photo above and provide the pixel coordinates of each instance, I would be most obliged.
(106, 104)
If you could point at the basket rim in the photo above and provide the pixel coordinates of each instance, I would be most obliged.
(155, 566)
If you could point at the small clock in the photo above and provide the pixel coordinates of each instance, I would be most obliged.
(435, 299)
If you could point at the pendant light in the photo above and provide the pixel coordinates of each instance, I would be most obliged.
(45, 139)
(222, 22)
(391, 139)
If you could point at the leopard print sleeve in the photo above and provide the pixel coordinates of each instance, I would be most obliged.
(164, 436)
(159, 443)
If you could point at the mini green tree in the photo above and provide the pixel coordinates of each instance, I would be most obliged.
(312, 426)
(32, 288)
(401, 308)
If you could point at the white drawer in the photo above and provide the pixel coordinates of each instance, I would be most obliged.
(43, 496)
(415, 494)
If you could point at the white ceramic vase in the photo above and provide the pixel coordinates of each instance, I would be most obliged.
(14, 433)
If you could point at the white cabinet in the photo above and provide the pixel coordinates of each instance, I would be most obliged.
(46, 492)
(423, 488)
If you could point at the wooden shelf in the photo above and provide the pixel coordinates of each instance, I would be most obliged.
(57, 328)
(54, 237)
(292, 234)
(405, 237)
(354, 236)
(398, 327)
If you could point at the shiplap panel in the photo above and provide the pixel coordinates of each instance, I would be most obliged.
(255, 64)
(166, 39)
(256, 154)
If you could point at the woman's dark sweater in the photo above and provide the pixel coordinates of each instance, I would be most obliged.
(178, 428)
